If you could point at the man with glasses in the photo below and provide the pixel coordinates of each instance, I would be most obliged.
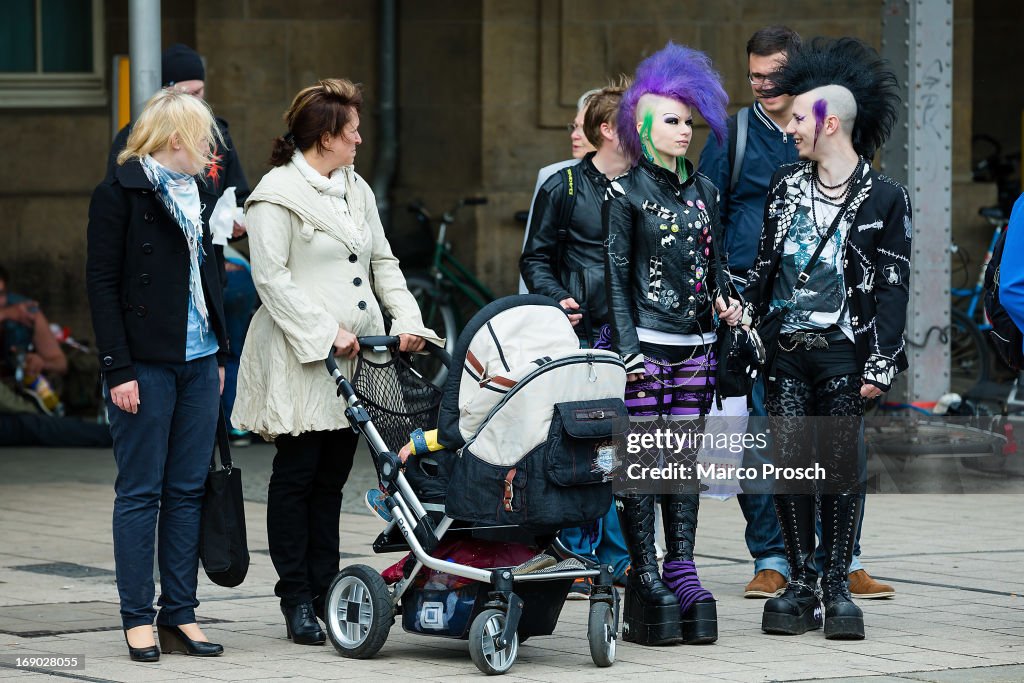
(741, 168)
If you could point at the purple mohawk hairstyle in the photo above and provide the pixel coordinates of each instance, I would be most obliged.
(679, 72)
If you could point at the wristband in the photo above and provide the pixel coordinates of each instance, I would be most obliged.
(419, 442)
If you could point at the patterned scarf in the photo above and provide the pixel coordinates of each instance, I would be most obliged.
(180, 194)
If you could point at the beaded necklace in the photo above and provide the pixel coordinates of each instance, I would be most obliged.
(840, 199)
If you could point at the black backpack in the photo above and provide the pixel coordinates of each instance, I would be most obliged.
(1005, 335)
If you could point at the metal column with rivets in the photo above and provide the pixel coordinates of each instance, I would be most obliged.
(917, 39)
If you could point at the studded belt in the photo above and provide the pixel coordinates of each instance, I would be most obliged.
(811, 340)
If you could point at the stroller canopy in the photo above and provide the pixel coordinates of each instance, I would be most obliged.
(503, 345)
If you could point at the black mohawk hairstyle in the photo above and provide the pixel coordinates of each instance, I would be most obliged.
(858, 68)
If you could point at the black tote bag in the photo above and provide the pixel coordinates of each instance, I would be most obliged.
(222, 544)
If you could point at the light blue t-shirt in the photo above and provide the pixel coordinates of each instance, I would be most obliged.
(199, 340)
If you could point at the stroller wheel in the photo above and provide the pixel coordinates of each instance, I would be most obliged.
(601, 633)
(487, 626)
(358, 611)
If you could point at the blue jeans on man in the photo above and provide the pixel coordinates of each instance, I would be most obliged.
(162, 454)
(601, 542)
(763, 534)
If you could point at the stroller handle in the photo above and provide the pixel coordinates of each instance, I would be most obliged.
(384, 342)
(379, 342)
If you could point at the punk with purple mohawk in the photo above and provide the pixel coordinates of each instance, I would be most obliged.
(668, 288)
(683, 74)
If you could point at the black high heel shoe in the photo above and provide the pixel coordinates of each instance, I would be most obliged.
(301, 624)
(142, 654)
(173, 639)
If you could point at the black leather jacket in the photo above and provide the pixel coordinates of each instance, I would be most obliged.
(580, 274)
(660, 264)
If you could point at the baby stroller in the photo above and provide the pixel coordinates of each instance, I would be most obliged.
(530, 423)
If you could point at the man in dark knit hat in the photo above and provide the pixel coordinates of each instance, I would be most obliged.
(182, 70)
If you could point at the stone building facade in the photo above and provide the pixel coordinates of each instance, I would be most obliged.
(485, 88)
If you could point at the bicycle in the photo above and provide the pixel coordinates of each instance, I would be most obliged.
(970, 364)
(969, 352)
(447, 291)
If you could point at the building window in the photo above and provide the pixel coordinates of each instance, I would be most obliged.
(51, 54)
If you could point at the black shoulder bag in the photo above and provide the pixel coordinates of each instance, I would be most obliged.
(770, 327)
(222, 544)
(738, 353)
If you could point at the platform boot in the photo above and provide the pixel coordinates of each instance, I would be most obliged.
(798, 609)
(698, 615)
(651, 611)
(840, 515)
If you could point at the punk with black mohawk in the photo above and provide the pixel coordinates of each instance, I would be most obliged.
(850, 64)
(833, 275)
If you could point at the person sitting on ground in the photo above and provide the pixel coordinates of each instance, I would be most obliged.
(27, 339)
(31, 350)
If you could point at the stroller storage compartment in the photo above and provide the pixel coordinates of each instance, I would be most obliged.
(564, 481)
(580, 445)
(448, 612)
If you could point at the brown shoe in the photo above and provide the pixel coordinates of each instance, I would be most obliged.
(864, 587)
(767, 583)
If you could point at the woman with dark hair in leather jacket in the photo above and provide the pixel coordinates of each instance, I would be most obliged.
(663, 295)
(563, 257)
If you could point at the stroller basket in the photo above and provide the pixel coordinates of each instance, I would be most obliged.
(397, 398)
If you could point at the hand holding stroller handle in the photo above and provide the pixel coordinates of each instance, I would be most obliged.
(379, 342)
(382, 342)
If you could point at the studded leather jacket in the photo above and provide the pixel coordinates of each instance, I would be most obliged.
(661, 270)
(878, 224)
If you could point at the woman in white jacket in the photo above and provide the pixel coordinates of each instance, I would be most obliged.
(324, 270)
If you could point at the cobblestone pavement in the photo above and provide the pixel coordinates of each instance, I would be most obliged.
(955, 561)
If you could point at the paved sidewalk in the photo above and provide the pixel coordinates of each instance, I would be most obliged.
(955, 561)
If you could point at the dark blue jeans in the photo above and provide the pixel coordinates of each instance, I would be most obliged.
(602, 542)
(763, 535)
(162, 454)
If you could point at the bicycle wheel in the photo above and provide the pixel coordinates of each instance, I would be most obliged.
(968, 354)
(935, 439)
(437, 316)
